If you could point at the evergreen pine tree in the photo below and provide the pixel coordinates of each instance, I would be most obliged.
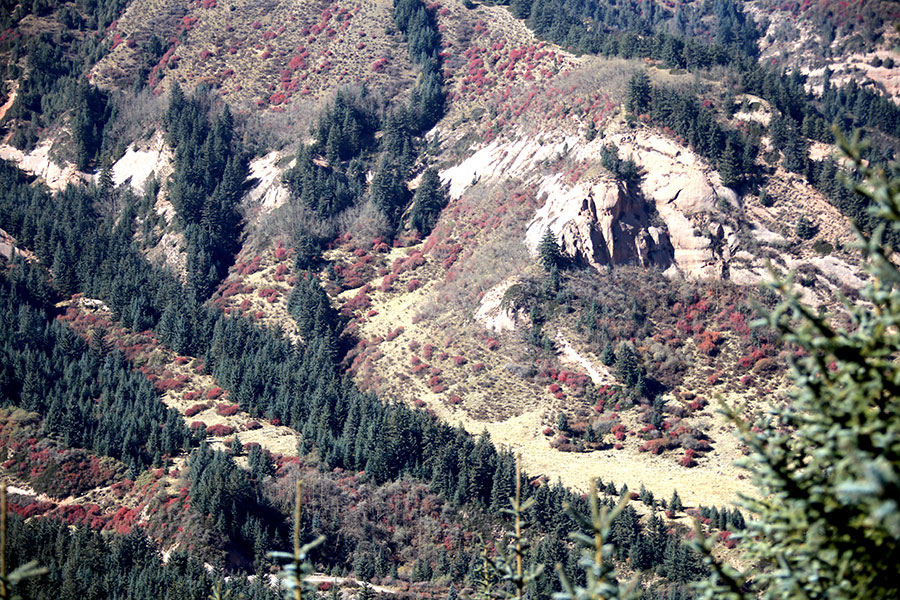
(365, 592)
(428, 202)
(521, 9)
(638, 95)
(804, 229)
(548, 251)
(363, 566)
(729, 166)
(675, 504)
(627, 367)
(608, 356)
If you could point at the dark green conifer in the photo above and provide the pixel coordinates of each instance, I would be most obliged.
(548, 251)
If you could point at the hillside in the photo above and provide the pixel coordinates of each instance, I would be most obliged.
(386, 247)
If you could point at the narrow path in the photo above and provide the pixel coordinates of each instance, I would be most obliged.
(600, 375)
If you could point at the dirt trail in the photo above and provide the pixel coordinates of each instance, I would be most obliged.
(9, 101)
(570, 355)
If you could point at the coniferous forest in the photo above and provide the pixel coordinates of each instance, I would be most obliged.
(375, 489)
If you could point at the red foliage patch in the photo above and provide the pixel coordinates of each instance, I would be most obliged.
(219, 430)
(227, 410)
(195, 409)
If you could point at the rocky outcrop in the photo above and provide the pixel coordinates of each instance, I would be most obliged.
(601, 223)
(496, 314)
(686, 192)
(669, 219)
(268, 192)
(141, 161)
(38, 163)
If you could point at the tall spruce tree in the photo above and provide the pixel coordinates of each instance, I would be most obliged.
(638, 99)
(548, 251)
(428, 202)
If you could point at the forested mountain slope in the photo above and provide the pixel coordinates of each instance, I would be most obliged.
(383, 248)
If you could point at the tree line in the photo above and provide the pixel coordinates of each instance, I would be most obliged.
(207, 184)
(90, 399)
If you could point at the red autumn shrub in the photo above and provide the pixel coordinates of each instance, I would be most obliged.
(219, 430)
(459, 360)
(698, 403)
(214, 393)
(454, 399)
(253, 425)
(478, 367)
(197, 408)
(166, 385)
(198, 425)
(227, 410)
(388, 282)
(413, 285)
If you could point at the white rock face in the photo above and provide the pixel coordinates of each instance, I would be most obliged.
(600, 224)
(839, 270)
(504, 160)
(140, 161)
(268, 192)
(38, 163)
(684, 187)
(601, 221)
(491, 313)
